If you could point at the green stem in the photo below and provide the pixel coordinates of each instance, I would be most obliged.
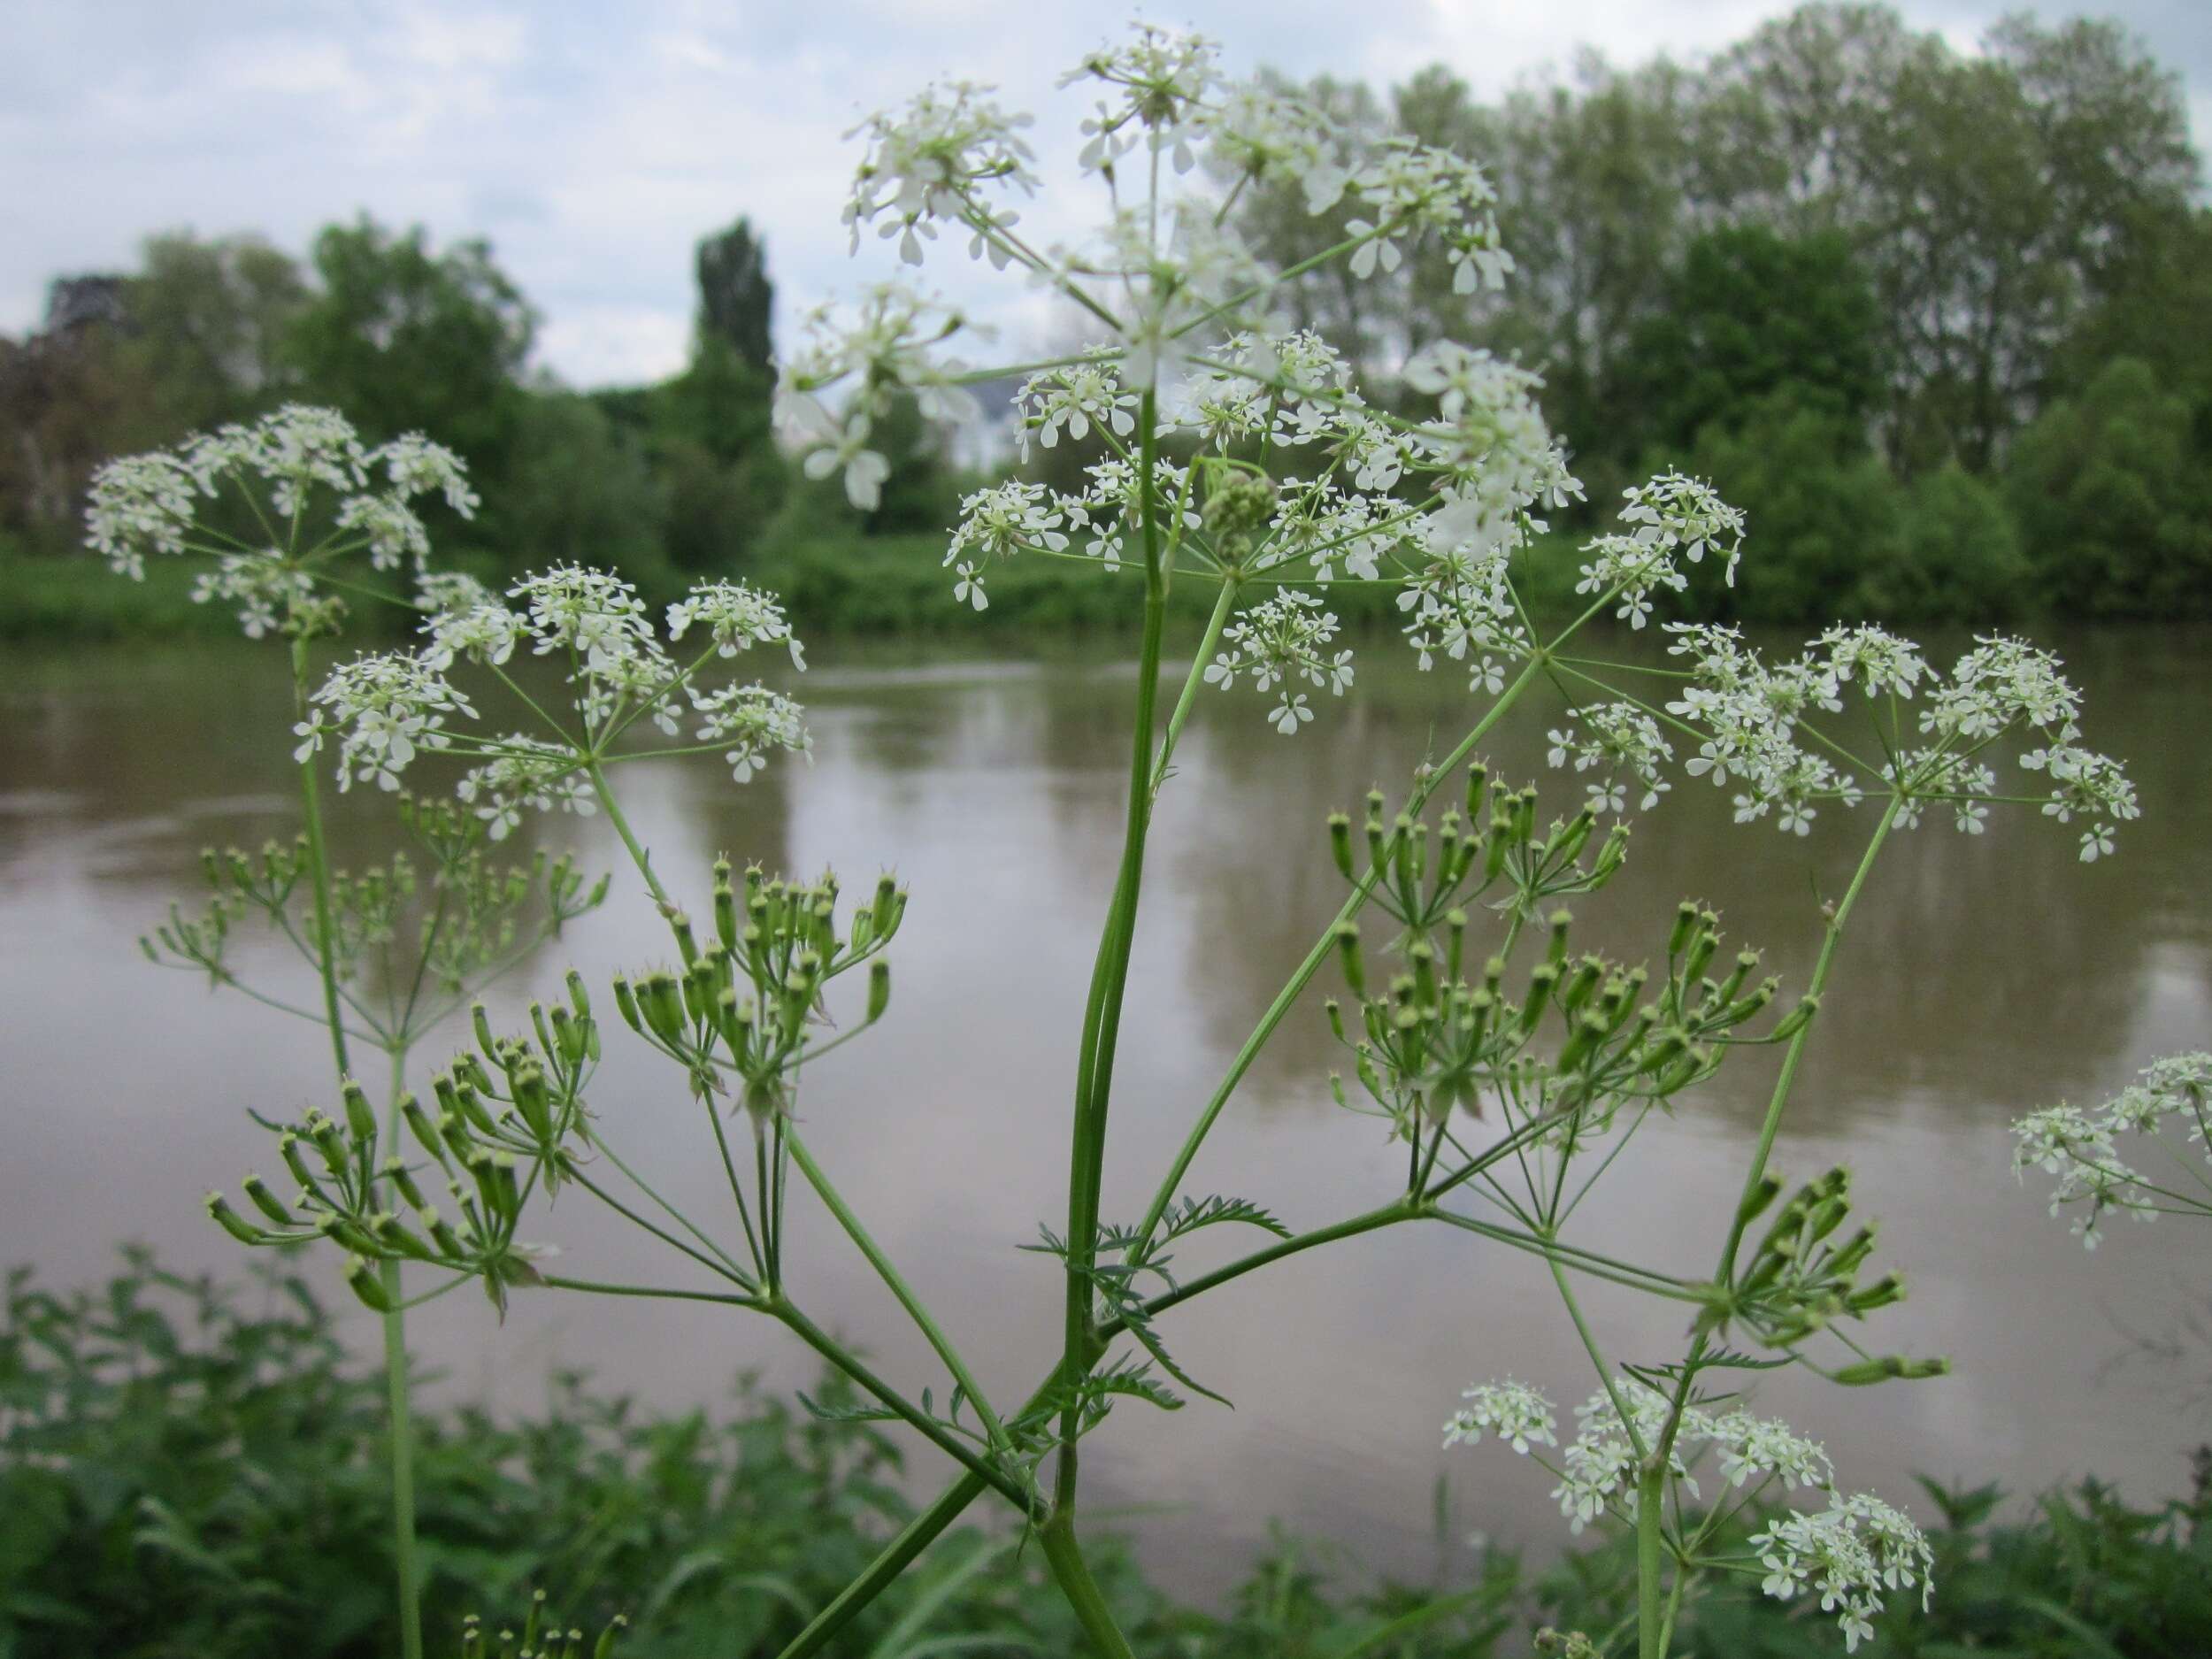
(898, 1288)
(1094, 1087)
(638, 855)
(1651, 1556)
(1073, 1574)
(1213, 624)
(917, 1535)
(951, 1444)
(395, 1322)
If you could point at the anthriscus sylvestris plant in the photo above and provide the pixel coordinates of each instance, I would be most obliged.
(1238, 453)
(290, 519)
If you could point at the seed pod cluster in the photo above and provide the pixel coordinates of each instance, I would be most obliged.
(748, 998)
(1804, 1275)
(495, 1132)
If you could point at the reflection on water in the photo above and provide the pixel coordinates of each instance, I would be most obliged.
(1980, 977)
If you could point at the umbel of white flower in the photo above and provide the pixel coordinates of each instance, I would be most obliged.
(2080, 1147)
(313, 492)
(387, 710)
(1853, 1553)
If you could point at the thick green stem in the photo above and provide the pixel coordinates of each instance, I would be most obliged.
(1780, 1100)
(1655, 1615)
(402, 1421)
(1223, 605)
(1073, 1574)
(1095, 1082)
(638, 855)
(1651, 1558)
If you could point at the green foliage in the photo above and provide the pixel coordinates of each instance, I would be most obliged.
(185, 1471)
(407, 339)
(2114, 498)
(736, 299)
(1751, 313)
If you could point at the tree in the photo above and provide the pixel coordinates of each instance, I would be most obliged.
(208, 321)
(406, 338)
(2112, 496)
(736, 299)
(1751, 312)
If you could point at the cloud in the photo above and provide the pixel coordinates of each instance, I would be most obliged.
(594, 145)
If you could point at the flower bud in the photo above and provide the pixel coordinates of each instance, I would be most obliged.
(1455, 943)
(360, 1119)
(1701, 953)
(1884, 1291)
(1685, 929)
(1340, 843)
(442, 1235)
(364, 1283)
(1755, 1202)
(1795, 1020)
(1500, 843)
(481, 1021)
(1422, 956)
(1582, 1045)
(1347, 955)
(663, 1009)
(266, 1201)
(625, 1004)
(534, 1100)
(1541, 979)
(1477, 780)
(1561, 921)
(687, 947)
(1335, 1013)
(1568, 839)
(394, 1171)
(879, 988)
(725, 906)
(233, 1223)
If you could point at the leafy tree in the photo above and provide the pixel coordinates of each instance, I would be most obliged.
(2112, 495)
(736, 299)
(1749, 313)
(404, 338)
(208, 324)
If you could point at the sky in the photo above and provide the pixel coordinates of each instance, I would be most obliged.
(594, 144)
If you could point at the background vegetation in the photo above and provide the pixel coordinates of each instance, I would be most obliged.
(1943, 323)
(181, 1476)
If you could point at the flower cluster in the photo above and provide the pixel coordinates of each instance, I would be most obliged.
(1671, 518)
(1618, 739)
(166, 503)
(1754, 722)
(1158, 82)
(924, 163)
(1853, 1553)
(1285, 638)
(883, 350)
(2080, 1147)
(387, 708)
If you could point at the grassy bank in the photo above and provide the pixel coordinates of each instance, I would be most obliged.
(832, 584)
(181, 1477)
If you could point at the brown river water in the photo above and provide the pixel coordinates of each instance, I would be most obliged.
(1981, 977)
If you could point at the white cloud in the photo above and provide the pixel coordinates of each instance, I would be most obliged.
(595, 144)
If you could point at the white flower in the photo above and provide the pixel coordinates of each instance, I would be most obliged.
(1281, 639)
(1287, 716)
(1516, 1414)
(735, 616)
(526, 773)
(970, 587)
(865, 469)
(927, 162)
(756, 722)
(386, 708)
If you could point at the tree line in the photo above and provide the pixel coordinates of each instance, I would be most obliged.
(1942, 322)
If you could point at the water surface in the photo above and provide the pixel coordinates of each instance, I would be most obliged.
(1980, 978)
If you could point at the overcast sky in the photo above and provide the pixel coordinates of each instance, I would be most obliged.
(593, 143)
